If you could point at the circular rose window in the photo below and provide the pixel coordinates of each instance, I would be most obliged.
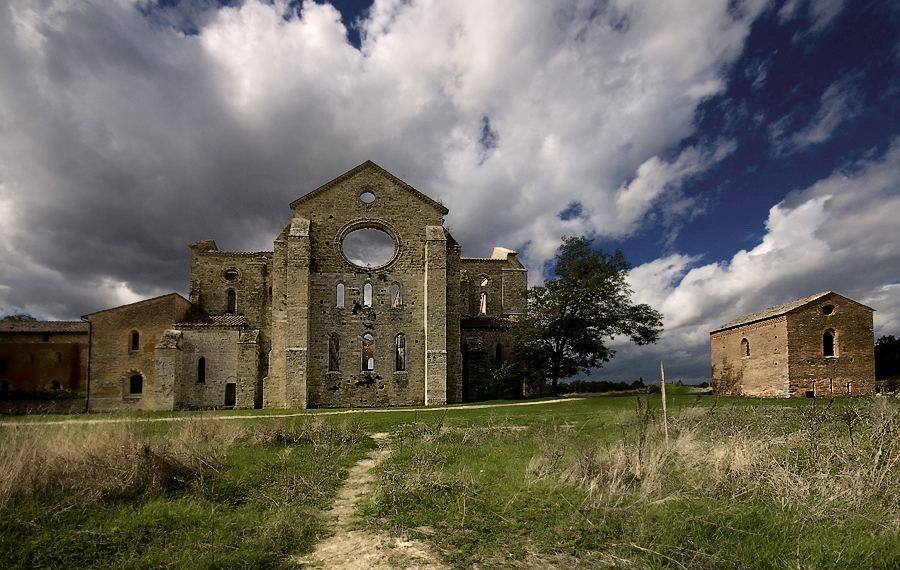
(368, 247)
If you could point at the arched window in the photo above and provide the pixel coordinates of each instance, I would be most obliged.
(340, 295)
(367, 295)
(745, 347)
(828, 348)
(232, 301)
(498, 354)
(400, 353)
(395, 295)
(201, 370)
(136, 384)
(135, 341)
(368, 352)
(334, 353)
(482, 304)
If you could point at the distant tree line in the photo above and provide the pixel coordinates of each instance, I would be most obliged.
(596, 386)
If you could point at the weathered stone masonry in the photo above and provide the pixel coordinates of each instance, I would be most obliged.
(307, 326)
(819, 346)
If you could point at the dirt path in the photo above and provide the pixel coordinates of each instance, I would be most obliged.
(358, 549)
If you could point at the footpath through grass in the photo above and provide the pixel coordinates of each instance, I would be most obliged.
(742, 483)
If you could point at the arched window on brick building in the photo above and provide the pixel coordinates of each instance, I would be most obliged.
(135, 341)
(745, 347)
(232, 301)
(828, 344)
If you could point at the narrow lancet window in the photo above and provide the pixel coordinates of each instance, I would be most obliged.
(367, 295)
(395, 295)
(400, 356)
(340, 294)
(498, 354)
(745, 347)
(368, 352)
(201, 370)
(828, 343)
(135, 341)
(482, 304)
(334, 353)
(232, 301)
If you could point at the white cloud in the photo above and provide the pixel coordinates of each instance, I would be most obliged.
(839, 103)
(125, 138)
(837, 235)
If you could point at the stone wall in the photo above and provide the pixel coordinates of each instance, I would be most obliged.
(36, 356)
(113, 361)
(762, 373)
(851, 371)
(784, 354)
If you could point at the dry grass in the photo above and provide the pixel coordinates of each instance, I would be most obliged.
(89, 463)
(806, 461)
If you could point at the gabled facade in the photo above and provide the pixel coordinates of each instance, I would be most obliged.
(123, 352)
(819, 346)
(365, 300)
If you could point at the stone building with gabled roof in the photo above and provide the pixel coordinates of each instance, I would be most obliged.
(818, 346)
(365, 300)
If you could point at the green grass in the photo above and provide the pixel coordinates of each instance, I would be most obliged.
(742, 483)
(216, 494)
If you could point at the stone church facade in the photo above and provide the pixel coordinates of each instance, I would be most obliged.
(819, 346)
(399, 318)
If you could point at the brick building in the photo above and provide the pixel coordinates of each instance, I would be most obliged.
(365, 300)
(39, 356)
(819, 346)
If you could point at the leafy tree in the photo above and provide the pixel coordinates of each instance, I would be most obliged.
(17, 318)
(567, 321)
(887, 357)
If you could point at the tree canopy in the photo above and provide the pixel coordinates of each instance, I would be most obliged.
(887, 357)
(568, 320)
(17, 318)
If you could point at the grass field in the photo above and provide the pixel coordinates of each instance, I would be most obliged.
(592, 483)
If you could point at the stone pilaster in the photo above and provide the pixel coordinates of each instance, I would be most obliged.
(435, 315)
(169, 372)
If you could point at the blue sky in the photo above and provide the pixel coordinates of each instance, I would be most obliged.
(740, 153)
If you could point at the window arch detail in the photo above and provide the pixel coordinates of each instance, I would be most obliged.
(134, 341)
(368, 352)
(367, 295)
(745, 348)
(340, 295)
(232, 301)
(829, 344)
(396, 299)
(400, 353)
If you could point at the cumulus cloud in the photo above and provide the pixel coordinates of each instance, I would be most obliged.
(128, 130)
(836, 235)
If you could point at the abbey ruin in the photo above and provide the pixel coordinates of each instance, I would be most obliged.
(364, 300)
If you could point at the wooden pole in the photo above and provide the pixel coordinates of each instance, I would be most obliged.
(662, 372)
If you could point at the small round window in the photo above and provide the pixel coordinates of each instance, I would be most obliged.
(827, 309)
(230, 274)
(367, 197)
(368, 247)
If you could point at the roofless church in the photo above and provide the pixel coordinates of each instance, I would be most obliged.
(364, 300)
